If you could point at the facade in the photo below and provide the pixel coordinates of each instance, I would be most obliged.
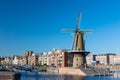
(28, 53)
(27, 57)
(44, 58)
(90, 59)
(114, 59)
(56, 58)
(34, 60)
(53, 59)
(9, 60)
(2, 60)
(40, 60)
(104, 59)
(18, 60)
(60, 58)
(49, 58)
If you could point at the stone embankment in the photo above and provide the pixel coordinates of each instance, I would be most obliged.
(66, 71)
(96, 72)
(71, 71)
(80, 72)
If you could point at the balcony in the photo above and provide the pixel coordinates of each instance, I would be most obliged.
(45, 57)
(60, 55)
(60, 59)
(60, 62)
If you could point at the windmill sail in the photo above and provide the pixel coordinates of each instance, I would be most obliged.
(78, 41)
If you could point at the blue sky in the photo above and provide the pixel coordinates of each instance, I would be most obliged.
(36, 25)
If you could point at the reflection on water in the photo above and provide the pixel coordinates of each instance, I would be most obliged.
(77, 78)
(44, 76)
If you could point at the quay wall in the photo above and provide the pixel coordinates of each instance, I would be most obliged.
(66, 71)
(71, 71)
(53, 70)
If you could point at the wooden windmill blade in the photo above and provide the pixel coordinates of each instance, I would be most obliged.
(85, 31)
(74, 42)
(78, 21)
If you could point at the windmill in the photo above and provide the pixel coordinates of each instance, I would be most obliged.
(78, 42)
(78, 48)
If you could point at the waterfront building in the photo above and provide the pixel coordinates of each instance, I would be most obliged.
(27, 57)
(65, 59)
(56, 57)
(59, 58)
(2, 60)
(15, 61)
(18, 60)
(104, 59)
(28, 53)
(45, 58)
(114, 59)
(53, 58)
(90, 59)
(40, 59)
(24, 61)
(49, 59)
(34, 60)
(9, 60)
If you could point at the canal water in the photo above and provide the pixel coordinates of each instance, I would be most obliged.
(44, 76)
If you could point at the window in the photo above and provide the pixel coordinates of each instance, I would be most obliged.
(76, 59)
